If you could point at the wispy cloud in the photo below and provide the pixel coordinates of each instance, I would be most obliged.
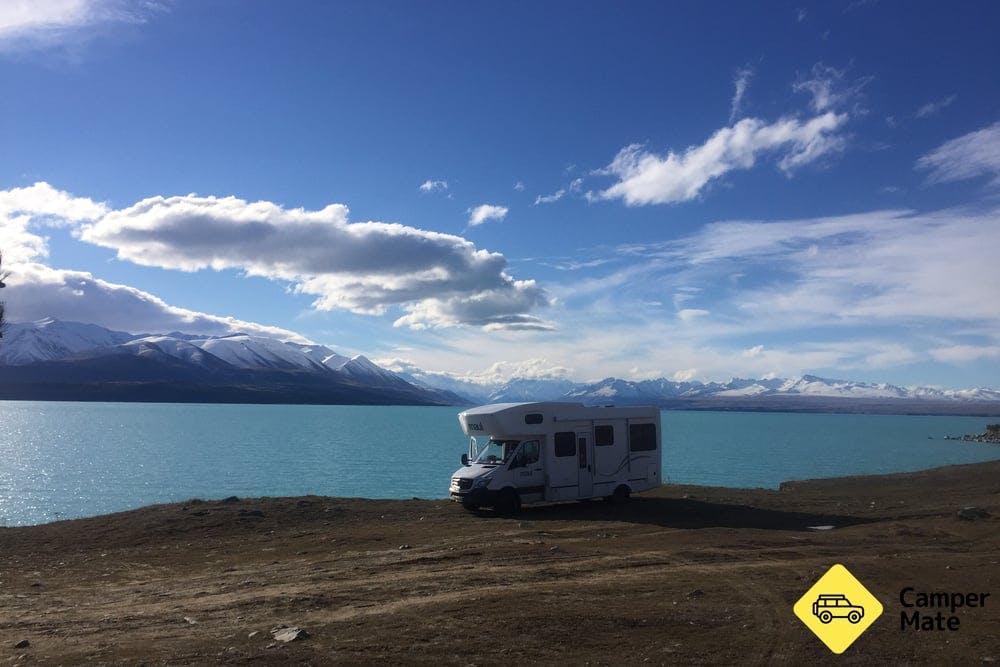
(741, 82)
(831, 88)
(573, 187)
(969, 156)
(552, 198)
(871, 269)
(935, 107)
(27, 25)
(486, 212)
(877, 289)
(519, 186)
(432, 186)
(647, 178)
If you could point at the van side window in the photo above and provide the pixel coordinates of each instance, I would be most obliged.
(533, 418)
(565, 444)
(642, 437)
(529, 452)
(604, 435)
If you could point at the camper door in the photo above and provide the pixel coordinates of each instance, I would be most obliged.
(563, 466)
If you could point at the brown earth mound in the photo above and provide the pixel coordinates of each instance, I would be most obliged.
(680, 575)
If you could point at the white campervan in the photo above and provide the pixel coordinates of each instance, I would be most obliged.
(542, 452)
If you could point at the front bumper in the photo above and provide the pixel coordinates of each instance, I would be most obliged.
(475, 497)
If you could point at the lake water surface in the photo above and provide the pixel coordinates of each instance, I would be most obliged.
(67, 460)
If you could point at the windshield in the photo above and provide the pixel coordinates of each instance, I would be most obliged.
(497, 451)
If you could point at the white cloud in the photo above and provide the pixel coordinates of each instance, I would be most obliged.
(969, 156)
(38, 205)
(492, 310)
(519, 186)
(486, 212)
(646, 178)
(41, 200)
(935, 107)
(432, 186)
(741, 82)
(36, 291)
(365, 267)
(27, 25)
(685, 375)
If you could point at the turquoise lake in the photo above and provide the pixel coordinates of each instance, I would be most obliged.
(67, 460)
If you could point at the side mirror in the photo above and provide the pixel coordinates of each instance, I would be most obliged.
(465, 459)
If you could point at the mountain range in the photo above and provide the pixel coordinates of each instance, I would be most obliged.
(55, 360)
(808, 393)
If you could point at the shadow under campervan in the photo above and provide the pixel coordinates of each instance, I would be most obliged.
(544, 452)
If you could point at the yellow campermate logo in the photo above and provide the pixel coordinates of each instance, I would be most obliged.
(838, 608)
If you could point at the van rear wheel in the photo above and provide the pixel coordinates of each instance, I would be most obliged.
(620, 495)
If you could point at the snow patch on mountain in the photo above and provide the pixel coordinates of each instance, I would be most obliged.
(49, 339)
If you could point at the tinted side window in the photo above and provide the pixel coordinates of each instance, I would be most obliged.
(565, 444)
(642, 437)
(533, 418)
(604, 435)
(529, 450)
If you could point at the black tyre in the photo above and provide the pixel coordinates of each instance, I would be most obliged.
(509, 503)
(620, 495)
(854, 616)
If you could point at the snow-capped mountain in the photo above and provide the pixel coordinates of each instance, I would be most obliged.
(808, 392)
(364, 370)
(48, 339)
(50, 353)
(807, 386)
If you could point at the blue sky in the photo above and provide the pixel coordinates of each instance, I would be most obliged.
(686, 190)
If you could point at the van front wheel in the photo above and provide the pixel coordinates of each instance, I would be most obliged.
(509, 503)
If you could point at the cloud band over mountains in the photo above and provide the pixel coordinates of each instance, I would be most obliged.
(438, 280)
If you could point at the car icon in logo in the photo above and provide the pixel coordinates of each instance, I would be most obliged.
(828, 607)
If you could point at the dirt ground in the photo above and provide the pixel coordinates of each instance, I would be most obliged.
(680, 575)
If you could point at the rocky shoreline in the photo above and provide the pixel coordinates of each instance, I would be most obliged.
(991, 435)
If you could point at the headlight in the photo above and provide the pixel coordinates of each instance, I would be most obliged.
(481, 482)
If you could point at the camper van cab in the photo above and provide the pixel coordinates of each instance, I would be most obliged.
(544, 452)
